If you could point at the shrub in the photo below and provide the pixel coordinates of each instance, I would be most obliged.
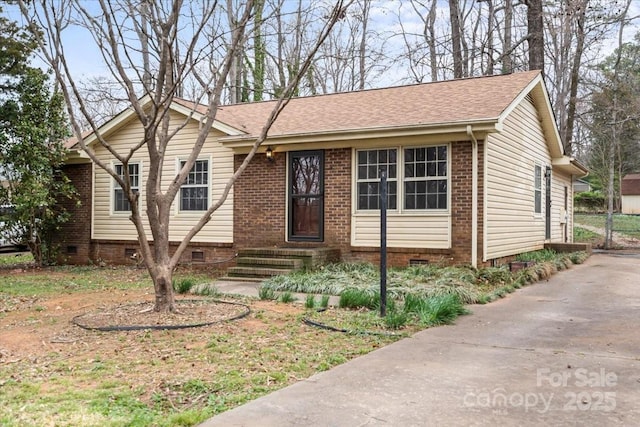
(324, 301)
(358, 298)
(183, 286)
(206, 290)
(589, 201)
(441, 310)
(396, 319)
(542, 255)
(287, 297)
(266, 293)
(310, 302)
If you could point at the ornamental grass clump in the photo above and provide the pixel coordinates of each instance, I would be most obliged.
(184, 285)
(287, 297)
(440, 310)
(578, 257)
(265, 293)
(359, 298)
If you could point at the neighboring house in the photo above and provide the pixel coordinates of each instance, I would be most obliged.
(630, 193)
(476, 172)
(581, 186)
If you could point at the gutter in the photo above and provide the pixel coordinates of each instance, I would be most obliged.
(482, 125)
(474, 197)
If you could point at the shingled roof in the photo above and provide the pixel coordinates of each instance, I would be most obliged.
(631, 185)
(437, 107)
(447, 102)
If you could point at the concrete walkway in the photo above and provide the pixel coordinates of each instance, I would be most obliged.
(561, 352)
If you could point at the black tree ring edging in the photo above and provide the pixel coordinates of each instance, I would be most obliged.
(76, 320)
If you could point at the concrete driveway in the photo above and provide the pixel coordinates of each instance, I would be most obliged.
(561, 352)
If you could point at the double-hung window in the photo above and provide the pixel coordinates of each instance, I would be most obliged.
(537, 190)
(120, 200)
(194, 193)
(423, 172)
(425, 178)
(370, 163)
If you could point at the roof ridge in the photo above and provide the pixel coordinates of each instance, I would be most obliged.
(387, 88)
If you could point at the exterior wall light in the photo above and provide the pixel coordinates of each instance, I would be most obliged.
(269, 154)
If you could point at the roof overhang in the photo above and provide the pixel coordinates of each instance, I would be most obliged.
(346, 137)
(570, 166)
(540, 97)
(76, 156)
(129, 114)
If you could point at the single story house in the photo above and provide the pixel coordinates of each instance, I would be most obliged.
(476, 174)
(630, 193)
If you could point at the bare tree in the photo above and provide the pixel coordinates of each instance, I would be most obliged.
(536, 34)
(456, 30)
(617, 120)
(177, 42)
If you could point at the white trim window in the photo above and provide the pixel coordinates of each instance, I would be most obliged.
(424, 172)
(369, 165)
(194, 193)
(120, 200)
(425, 178)
(537, 189)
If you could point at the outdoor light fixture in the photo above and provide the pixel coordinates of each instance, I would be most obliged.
(269, 154)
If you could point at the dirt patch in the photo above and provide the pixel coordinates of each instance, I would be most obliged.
(34, 327)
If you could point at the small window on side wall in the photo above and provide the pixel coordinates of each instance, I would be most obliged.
(194, 193)
(537, 190)
(120, 200)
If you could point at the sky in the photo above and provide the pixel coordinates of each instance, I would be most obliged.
(86, 61)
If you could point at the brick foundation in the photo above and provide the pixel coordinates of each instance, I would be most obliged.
(120, 252)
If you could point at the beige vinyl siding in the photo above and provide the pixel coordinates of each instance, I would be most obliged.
(511, 226)
(558, 183)
(116, 225)
(631, 204)
(403, 231)
(422, 228)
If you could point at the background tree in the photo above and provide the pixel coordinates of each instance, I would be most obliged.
(616, 118)
(16, 46)
(32, 134)
(196, 41)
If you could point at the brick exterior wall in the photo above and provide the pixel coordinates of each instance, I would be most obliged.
(74, 239)
(260, 202)
(260, 215)
(259, 194)
(260, 208)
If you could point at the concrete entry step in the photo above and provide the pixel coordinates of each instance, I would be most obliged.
(287, 263)
(250, 271)
(262, 263)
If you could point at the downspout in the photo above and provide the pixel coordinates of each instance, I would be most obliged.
(474, 197)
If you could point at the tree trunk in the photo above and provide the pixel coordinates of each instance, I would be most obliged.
(362, 53)
(507, 62)
(575, 75)
(536, 35)
(490, 29)
(260, 53)
(454, 13)
(163, 284)
(430, 34)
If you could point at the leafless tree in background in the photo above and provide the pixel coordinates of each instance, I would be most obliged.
(180, 42)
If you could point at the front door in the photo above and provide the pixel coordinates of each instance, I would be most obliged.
(306, 196)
